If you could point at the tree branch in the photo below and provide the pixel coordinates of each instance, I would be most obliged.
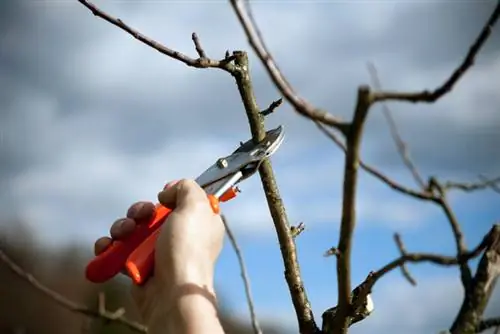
(481, 288)
(244, 276)
(102, 314)
(348, 221)
(487, 324)
(360, 294)
(293, 278)
(396, 136)
(422, 195)
(441, 260)
(430, 97)
(441, 199)
(469, 187)
(255, 40)
(201, 62)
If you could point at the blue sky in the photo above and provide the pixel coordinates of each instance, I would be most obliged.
(92, 121)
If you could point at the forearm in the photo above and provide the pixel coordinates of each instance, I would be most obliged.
(191, 308)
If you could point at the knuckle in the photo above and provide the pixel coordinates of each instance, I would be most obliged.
(188, 184)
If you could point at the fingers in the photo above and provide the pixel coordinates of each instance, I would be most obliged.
(138, 213)
(101, 245)
(183, 192)
(141, 211)
(122, 228)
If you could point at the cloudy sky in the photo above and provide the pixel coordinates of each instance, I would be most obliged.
(91, 120)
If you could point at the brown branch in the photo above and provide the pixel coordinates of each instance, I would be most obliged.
(396, 136)
(487, 324)
(102, 314)
(305, 317)
(362, 292)
(493, 186)
(440, 200)
(422, 195)
(348, 220)
(272, 107)
(430, 97)
(255, 40)
(469, 187)
(433, 258)
(404, 268)
(481, 288)
(201, 62)
(244, 276)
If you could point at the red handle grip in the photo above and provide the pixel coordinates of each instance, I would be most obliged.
(109, 263)
(136, 253)
(140, 263)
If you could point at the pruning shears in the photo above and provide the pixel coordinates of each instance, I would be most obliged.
(136, 253)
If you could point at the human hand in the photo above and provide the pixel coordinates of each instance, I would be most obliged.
(187, 248)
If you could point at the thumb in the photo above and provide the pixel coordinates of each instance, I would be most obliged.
(181, 193)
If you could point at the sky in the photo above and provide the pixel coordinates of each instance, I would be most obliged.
(92, 120)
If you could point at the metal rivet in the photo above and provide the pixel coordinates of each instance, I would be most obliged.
(222, 163)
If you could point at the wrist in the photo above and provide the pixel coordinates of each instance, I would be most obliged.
(188, 306)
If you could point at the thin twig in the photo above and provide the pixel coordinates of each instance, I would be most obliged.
(255, 40)
(422, 195)
(101, 313)
(201, 62)
(435, 258)
(469, 187)
(404, 268)
(493, 186)
(244, 276)
(396, 136)
(447, 86)
(487, 324)
(272, 107)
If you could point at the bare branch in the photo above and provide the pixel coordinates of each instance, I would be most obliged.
(494, 186)
(434, 258)
(360, 294)
(348, 220)
(441, 199)
(397, 138)
(272, 107)
(297, 230)
(430, 97)
(402, 250)
(201, 62)
(465, 271)
(305, 317)
(255, 40)
(481, 287)
(102, 314)
(487, 324)
(244, 276)
(469, 187)
(422, 195)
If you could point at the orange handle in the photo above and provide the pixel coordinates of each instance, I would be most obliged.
(109, 263)
(140, 263)
(119, 254)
